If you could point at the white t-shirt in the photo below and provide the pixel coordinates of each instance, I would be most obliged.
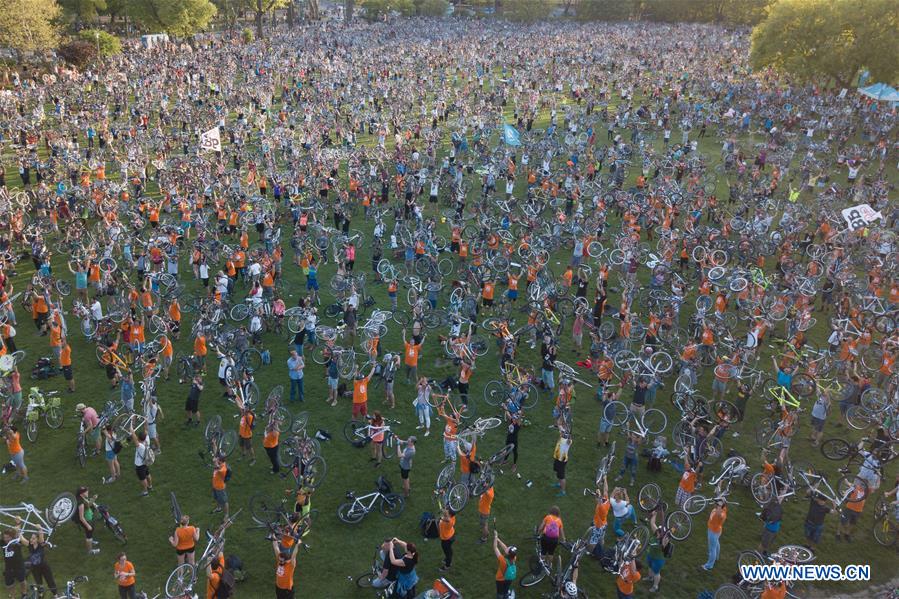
(140, 454)
(619, 507)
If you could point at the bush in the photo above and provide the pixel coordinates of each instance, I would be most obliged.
(432, 8)
(247, 35)
(78, 53)
(109, 44)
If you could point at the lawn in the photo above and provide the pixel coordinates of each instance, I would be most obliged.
(338, 552)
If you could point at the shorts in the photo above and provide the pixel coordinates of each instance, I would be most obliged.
(813, 531)
(151, 431)
(332, 383)
(818, 424)
(142, 472)
(185, 551)
(220, 496)
(192, 405)
(404, 474)
(110, 455)
(13, 575)
(245, 442)
(559, 468)
(67, 373)
(655, 564)
(488, 301)
(512, 294)
(388, 386)
(597, 535)
(767, 537)
(848, 516)
(719, 386)
(311, 284)
(19, 459)
(283, 593)
(57, 350)
(548, 545)
(110, 371)
(15, 400)
(604, 425)
(360, 409)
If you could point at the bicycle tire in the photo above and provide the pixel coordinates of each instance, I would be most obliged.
(654, 421)
(180, 581)
(680, 525)
(642, 534)
(760, 488)
(531, 397)
(535, 574)
(392, 505)
(118, 532)
(649, 497)
(796, 553)
(213, 426)
(803, 385)
(616, 413)
(694, 504)
(836, 449)
(457, 497)
(351, 431)
(31, 430)
(227, 443)
(263, 509)
(319, 470)
(885, 531)
(364, 581)
(749, 557)
(347, 514)
(61, 509)
(730, 591)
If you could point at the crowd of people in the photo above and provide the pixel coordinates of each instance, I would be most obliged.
(557, 210)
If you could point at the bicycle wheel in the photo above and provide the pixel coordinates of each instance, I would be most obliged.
(654, 421)
(365, 580)
(730, 591)
(494, 392)
(354, 431)
(213, 427)
(314, 471)
(649, 497)
(31, 430)
(263, 509)
(803, 385)
(251, 358)
(886, 530)
(796, 554)
(118, 532)
(875, 399)
(392, 505)
(859, 418)
(761, 488)
(694, 504)
(711, 450)
(61, 508)
(350, 512)
(661, 362)
(531, 397)
(180, 581)
(536, 573)
(457, 497)
(640, 533)
(615, 412)
(750, 558)
(679, 524)
(227, 443)
(836, 449)
(501, 456)
(446, 476)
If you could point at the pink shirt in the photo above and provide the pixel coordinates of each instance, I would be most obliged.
(90, 417)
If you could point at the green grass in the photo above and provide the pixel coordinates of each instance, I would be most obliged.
(340, 552)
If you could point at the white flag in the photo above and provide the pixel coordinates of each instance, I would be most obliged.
(860, 216)
(211, 141)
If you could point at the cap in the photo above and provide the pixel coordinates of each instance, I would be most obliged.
(412, 439)
(80, 407)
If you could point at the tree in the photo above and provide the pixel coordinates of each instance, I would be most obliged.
(77, 52)
(822, 40)
(527, 10)
(378, 9)
(230, 10)
(606, 10)
(181, 18)
(29, 25)
(83, 10)
(108, 43)
(262, 7)
(430, 8)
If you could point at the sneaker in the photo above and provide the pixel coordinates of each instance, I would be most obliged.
(427, 433)
(95, 542)
(144, 494)
(419, 427)
(444, 568)
(216, 510)
(556, 485)
(561, 494)
(93, 552)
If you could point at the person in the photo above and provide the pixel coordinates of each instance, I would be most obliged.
(551, 531)
(142, 460)
(820, 410)
(286, 563)
(83, 516)
(37, 561)
(774, 590)
(332, 375)
(406, 452)
(245, 432)
(152, 413)
(406, 577)
(65, 364)
(423, 406)
(214, 572)
(450, 438)
(13, 562)
(110, 445)
(219, 482)
(447, 529)
(16, 453)
(628, 574)
(376, 433)
(124, 574)
(192, 405)
(659, 547)
(622, 509)
(360, 394)
(295, 366)
(184, 540)
(270, 442)
(412, 353)
(91, 421)
(630, 457)
(560, 460)
(687, 483)
(600, 519)
(715, 528)
(485, 503)
(771, 515)
(852, 511)
(818, 509)
(506, 566)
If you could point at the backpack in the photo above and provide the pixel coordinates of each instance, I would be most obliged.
(227, 474)
(149, 455)
(511, 571)
(428, 525)
(668, 550)
(551, 530)
(225, 588)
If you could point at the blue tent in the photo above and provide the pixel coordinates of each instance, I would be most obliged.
(880, 92)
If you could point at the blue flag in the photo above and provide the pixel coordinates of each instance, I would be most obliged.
(510, 136)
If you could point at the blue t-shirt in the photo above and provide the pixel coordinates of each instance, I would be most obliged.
(784, 379)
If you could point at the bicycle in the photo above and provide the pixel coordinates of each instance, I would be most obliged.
(356, 508)
(40, 404)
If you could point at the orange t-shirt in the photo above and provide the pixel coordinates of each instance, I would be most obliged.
(200, 346)
(447, 528)
(716, 520)
(412, 352)
(601, 513)
(185, 537)
(485, 502)
(55, 337)
(284, 575)
(271, 439)
(360, 391)
(856, 500)
(246, 425)
(212, 584)
(688, 481)
(218, 478)
(500, 568)
(626, 583)
(14, 445)
(488, 291)
(775, 592)
(128, 568)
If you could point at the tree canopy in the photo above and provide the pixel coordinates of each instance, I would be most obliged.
(178, 17)
(813, 40)
(29, 25)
